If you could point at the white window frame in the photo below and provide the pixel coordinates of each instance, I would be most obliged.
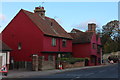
(53, 41)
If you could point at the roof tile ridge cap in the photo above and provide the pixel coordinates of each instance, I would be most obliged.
(26, 11)
(78, 30)
(49, 18)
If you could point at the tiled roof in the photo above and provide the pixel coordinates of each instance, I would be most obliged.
(4, 47)
(45, 25)
(81, 37)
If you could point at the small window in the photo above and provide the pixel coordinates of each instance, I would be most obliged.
(19, 46)
(64, 43)
(94, 46)
(53, 41)
(50, 58)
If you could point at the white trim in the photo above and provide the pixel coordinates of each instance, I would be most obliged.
(5, 58)
(8, 57)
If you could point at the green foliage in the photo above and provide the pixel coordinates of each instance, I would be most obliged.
(111, 37)
(71, 60)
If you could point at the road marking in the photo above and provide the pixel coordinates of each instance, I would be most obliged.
(89, 74)
(77, 77)
(102, 71)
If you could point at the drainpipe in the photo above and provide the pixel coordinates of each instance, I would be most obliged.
(101, 57)
(59, 45)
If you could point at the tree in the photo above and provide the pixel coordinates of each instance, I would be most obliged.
(111, 37)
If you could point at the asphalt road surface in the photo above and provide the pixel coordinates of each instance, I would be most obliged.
(110, 71)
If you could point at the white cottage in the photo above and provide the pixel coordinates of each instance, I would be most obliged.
(4, 54)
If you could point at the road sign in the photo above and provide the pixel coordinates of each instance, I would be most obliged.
(4, 69)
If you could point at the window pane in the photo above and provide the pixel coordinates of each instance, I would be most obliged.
(64, 43)
(53, 42)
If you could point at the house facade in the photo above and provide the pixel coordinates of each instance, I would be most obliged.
(4, 55)
(32, 33)
(87, 45)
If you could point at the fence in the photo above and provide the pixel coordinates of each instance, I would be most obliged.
(25, 65)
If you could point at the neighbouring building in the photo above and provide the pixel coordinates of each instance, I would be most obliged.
(32, 33)
(87, 45)
(4, 55)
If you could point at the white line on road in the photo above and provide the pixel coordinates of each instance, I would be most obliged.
(89, 74)
(102, 71)
(77, 77)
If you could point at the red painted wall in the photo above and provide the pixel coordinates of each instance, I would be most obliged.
(48, 45)
(86, 49)
(81, 50)
(22, 30)
(93, 40)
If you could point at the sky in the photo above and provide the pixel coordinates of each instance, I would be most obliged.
(68, 14)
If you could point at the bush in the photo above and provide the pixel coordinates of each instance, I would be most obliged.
(71, 60)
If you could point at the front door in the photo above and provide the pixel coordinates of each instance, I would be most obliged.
(94, 59)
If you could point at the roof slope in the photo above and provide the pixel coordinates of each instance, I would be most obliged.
(4, 47)
(81, 37)
(45, 25)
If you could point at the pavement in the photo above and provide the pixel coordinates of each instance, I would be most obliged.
(27, 74)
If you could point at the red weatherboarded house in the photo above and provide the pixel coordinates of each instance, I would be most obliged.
(33, 33)
(87, 45)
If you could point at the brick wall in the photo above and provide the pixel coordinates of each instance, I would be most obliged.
(68, 65)
(39, 63)
(45, 65)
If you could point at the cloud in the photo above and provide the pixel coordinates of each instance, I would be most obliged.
(84, 25)
(2, 17)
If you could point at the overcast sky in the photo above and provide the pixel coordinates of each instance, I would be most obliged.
(69, 14)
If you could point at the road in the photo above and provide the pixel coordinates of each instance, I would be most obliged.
(110, 71)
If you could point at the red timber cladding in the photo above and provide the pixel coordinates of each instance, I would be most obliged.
(58, 48)
(68, 47)
(93, 40)
(22, 29)
(99, 43)
(81, 50)
(48, 45)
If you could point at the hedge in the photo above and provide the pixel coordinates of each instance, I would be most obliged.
(71, 60)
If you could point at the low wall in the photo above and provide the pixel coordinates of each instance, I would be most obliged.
(68, 65)
(47, 65)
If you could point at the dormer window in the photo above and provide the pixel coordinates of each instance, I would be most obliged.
(73, 31)
(19, 46)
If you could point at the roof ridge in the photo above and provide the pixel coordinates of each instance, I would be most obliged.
(26, 11)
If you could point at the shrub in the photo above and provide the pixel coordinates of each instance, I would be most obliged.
(71, 60)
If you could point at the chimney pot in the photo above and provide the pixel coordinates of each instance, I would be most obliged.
(40, 11)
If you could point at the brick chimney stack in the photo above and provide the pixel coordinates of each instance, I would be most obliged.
(91, 27)
(40, 11)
